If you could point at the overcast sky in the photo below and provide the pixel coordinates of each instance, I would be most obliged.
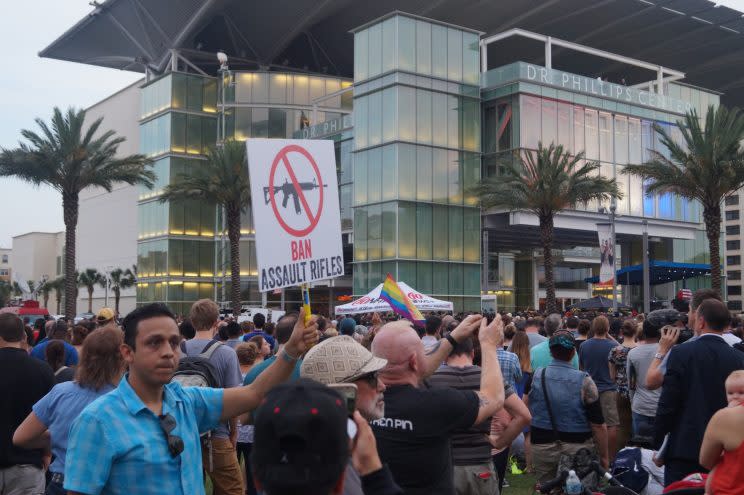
(31, 86)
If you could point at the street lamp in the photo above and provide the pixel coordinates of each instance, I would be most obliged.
(225, 76)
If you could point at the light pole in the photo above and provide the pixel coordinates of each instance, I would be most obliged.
(646, 271)
(225, 75)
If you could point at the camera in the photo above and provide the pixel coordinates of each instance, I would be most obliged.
(663, 317)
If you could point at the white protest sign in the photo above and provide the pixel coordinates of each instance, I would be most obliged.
(295, 211)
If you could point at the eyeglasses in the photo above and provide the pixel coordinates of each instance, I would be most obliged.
(370, 378)
(175, 443)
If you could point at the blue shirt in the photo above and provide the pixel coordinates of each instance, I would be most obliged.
(251, 376)
(117, 446)
(58, 409)
(71, 355)
(595, 358)
(540, 356)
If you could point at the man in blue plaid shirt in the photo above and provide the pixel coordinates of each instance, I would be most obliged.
(143, 437)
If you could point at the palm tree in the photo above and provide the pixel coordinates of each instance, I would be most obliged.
(708, 166)
(69, 158)
(46, 290)
(89, 278)
(546, 182)
(119, 279)
(222, 181)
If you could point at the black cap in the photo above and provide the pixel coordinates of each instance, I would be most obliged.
(300, 436)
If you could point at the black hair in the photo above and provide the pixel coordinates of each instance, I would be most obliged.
(651, 331)
(714, 314)
(187, 330)
(572, 322)
(146, 312)
(58, 331)
(11, 328)
(222, 333)
(233, 330)
(561, 353)
(432, 324)
(259, 320)
(464, 347)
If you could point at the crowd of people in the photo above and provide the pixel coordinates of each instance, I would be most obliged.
(369, 405)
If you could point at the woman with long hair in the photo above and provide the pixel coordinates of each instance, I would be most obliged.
(98, 372)
(264, 349)
(249, 355)
(618, 361)
(521, 347)
(55, 358)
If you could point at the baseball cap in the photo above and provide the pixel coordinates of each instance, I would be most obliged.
(105, 314)
(339, 360)
(562, 338)
(300, 436)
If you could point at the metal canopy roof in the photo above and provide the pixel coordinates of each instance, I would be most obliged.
(693, 36)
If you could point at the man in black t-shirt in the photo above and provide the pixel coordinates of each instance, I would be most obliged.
(414, 436)
(23, 381)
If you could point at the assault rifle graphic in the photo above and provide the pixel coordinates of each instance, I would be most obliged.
(288, 189)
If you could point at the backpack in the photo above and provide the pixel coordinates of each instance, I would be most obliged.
(198, 371)
(628, 469)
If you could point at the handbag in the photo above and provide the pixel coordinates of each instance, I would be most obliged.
(582, 459)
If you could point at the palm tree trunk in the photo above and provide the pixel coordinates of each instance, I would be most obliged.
(117, 295)
(70, 213)
(712, 219)
(46, 299)
(58, 294)
(232, 212)
(546, 238)
(90, 299)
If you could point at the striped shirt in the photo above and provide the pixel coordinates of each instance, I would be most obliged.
(469, 446)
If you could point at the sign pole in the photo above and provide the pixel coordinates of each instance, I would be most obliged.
(305, 289)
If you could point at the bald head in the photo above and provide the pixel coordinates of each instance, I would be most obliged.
(401, 346)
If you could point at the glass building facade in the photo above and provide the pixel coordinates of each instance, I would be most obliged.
(427, 125)
(519, 113)
(416, 156)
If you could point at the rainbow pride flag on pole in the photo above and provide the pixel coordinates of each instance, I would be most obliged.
(400, 303)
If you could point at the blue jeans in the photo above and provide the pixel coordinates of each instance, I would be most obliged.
(643, 426)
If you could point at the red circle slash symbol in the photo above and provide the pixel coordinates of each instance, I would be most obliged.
(282, 157)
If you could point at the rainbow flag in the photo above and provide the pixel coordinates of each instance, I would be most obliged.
(400, 303)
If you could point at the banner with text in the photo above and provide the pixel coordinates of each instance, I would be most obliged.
(606, 254)
(295, 211)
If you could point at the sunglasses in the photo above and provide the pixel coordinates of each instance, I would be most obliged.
(370, 378)
(175, 443)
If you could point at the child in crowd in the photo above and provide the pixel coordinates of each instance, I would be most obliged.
(723, 444)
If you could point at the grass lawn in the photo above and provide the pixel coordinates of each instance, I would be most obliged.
(519, 484)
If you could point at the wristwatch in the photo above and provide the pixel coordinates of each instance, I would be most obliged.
(659, 355)
(451, 340)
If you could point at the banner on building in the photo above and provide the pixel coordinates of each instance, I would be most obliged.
(295, 211)
(606, 254)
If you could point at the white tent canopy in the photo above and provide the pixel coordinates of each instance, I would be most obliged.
(372, 303)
